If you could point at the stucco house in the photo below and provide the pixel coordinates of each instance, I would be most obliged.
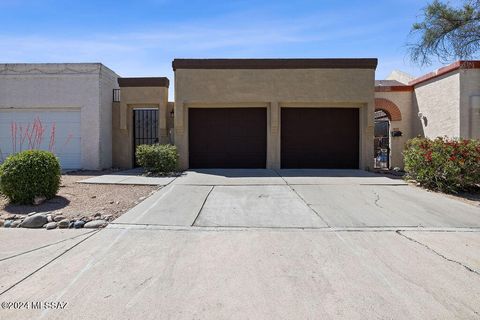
(235, 113)
(445, 102)
(65, 108)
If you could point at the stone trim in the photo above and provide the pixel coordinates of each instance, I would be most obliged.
(393, 88)
(390, 108)
(461, 64)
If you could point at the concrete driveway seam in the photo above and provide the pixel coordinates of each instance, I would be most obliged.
(50, 261)
(203, 204)
(137, 226)
(301, 198)
(46, 246)
(437, 253)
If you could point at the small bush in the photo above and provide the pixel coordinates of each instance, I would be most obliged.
(157, 158)
(448, 165)
(28, 174)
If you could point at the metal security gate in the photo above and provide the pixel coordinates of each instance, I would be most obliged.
(145, 121)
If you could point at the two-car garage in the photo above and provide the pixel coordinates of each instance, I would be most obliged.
(274, 113)
(237, 137)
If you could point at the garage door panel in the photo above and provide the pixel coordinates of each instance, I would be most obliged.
(59, 132)
(319, 138)
(234, 138)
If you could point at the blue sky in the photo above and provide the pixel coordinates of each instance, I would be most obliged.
(140, 38)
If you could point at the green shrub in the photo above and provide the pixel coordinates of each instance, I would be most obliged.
(443, 164)
(28, 174)
(157, 158)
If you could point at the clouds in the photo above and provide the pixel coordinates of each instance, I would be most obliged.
(144, 44)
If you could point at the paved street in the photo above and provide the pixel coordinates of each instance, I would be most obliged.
(258, 244)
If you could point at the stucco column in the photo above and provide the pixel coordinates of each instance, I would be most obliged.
(366, 136)
(123, 116)
(273, 136)
(162, 123)
(181, 137)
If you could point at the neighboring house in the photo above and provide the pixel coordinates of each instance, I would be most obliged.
(235, 113)
(65, 108)
(442, 103)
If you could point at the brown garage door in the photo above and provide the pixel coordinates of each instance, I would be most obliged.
(227, 137)
(319, 138)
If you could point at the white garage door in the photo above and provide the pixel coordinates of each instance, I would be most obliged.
(52, 130)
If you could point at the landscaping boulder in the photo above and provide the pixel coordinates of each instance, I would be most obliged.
(63, 224)
(16, 224)
(78, 224)
(95, 224)
(58, 218)
(35, 221)
(51, 225)
(7, 223)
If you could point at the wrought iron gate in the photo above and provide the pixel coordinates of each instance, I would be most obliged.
(145, 122)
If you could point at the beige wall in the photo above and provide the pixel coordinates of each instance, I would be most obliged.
(122, 120)
(274, 89)
(470, 103)
(439, 101)
(86, 87)
(403, 100)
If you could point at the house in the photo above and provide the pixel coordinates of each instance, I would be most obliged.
(441, 103)
(62, 107)
(235, 113)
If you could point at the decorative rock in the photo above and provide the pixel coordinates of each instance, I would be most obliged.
(71, 224)
(8, 216)
(142, 198)
(63, 224)
(86, 219)
(51, 225)
(78, 224)
(49, 218)
(7, 223)
(95, 224)
(16, 224)
(36, 221)
(1, 222)
(59, 218)
(98, 214)
(39, 200)
(31, 214)
(397, 169)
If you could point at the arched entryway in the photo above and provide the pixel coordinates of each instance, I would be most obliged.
(385, 112)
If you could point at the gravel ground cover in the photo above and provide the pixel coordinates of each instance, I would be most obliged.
(78, 201)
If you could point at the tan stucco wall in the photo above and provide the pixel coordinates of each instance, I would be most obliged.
(439, 101)
(470, 103)
(403, 100)
(274, 89)
(122, 120)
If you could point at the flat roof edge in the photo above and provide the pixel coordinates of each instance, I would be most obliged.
(461, 64)
(144, 82)
(360, 63)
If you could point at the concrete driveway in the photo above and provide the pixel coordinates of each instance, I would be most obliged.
(298, 199)
(257, 244)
